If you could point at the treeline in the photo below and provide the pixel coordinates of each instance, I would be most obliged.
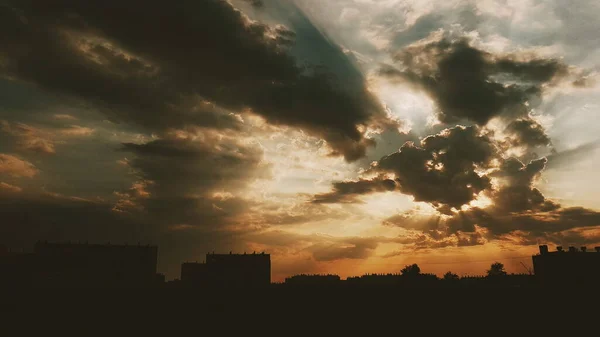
(411, 275)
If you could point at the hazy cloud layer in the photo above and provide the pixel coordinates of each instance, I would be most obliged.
(16, 167)
(186, 180)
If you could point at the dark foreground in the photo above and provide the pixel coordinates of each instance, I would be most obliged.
(305, 311)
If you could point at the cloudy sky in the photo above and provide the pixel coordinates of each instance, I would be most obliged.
(341, 136)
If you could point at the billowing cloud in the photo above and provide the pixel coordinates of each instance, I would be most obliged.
(471, 84)
(527, 132)
(517, 193)
(442, 170)
(518, 212)
(450, 171)
(183, 71)
(16, 167)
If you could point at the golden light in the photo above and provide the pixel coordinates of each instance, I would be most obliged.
(481, 201)
(383, 205)
(403, 102)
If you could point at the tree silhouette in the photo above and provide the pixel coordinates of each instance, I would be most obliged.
(411, 270)
(496, 269)
(450, 276)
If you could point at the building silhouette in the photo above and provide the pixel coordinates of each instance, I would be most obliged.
(560, 267)
(229, 270)
(82, 265)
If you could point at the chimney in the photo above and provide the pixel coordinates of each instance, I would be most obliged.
(584, 249)
(572, 249)
(559, 249)
(543, 249)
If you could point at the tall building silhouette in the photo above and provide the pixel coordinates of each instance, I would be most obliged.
(237, 270)
(560, 267)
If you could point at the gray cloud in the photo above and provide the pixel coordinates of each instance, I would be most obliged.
(517, 193)
(347, 191)
(527, 132)
(442, 170)
(449, 170)
(179, 177)
(256, 3)
(168, 75)
(519, 212)
(470, 84)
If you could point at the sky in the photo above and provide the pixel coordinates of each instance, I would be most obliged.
(340, 136)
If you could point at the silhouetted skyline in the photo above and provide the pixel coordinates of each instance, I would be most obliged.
(105, 265)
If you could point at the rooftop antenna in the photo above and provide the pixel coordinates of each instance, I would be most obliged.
(527, 268)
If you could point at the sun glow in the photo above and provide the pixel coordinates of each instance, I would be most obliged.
(382, 205)
(481, 201)
(404, 103)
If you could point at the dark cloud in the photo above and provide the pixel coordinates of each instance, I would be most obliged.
(478, 226)
(256, 3)
(517, 193)
(347, 191)
(471, 84)
(527, 132)
(184, 180)
(538, 225)
(442, 170)
(453, 168)
(187, 70)
(429, 240)
(519, 212)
